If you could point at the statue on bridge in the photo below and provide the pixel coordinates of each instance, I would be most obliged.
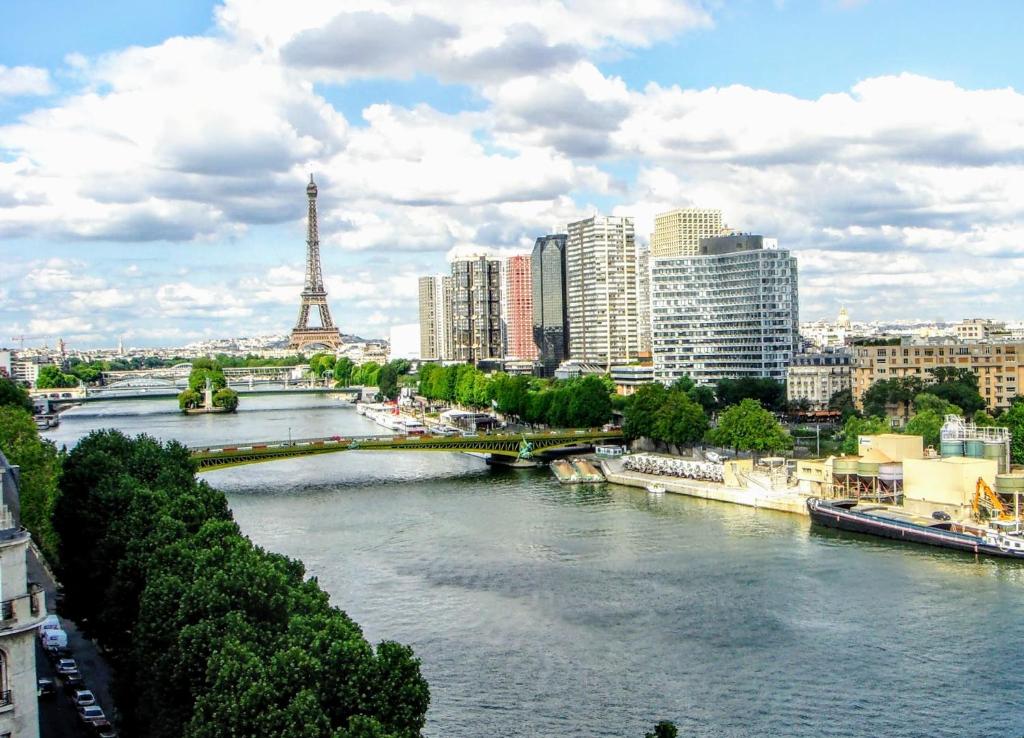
(525, 449)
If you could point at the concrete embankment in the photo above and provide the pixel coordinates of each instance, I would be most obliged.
(790, 502)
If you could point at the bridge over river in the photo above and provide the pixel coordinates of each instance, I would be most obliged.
(506, 446)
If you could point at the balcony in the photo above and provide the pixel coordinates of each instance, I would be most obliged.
(6, 699)
(23, 610)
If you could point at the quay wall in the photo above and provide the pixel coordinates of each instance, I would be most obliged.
(790, 502)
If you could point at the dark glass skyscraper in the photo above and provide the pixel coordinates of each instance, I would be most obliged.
(550, 315)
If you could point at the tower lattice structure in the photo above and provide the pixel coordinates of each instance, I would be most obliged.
(314, 295)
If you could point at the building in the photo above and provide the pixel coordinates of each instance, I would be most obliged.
(22, 609)
(643, 298)
(601, 286)
(997, 364)
(679, 232)
(815, 377)
(435, 318)
(476, 309)
(517, 308)
(729, 312)
(979, 329)
(550, 307)
(631, 377)
(5, 363)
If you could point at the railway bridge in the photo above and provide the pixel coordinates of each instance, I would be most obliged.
(507, 446)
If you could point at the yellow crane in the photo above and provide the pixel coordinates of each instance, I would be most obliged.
(986, 503)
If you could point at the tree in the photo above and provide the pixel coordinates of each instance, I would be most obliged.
(898, 392)
(226, 398)
(343, 369)
(926, 424)
(641, 414)
(1013, 419)
(749, 427)
(40, 472)
(958, 387)
(842, 402)
(768, 392)
(589, 402)
(203, 369)
(680, 420)
(664, 729)
(13, 395)
(51, 377)
(189, 399)
(856, 427)
(927, 402)
(387, 381)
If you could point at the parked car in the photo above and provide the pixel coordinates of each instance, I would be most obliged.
(83, 697)
(56, 653)
(91, 714)
(52, 622)
(45, 688)
(66, 666)
(73, 682)
(103, 729)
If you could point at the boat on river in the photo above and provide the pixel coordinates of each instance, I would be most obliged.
(994, 538)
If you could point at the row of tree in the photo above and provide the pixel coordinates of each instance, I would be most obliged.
(204, 369)
(40, 464)
(574, 403)
(209, 635)
(674, 415)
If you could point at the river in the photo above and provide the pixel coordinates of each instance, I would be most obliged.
(543, 610)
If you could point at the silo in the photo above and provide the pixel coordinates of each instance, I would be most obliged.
(974, 448)
(996, 450)
(1009, 484)
(951, 448)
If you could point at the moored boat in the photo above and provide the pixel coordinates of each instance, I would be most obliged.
(887, 522)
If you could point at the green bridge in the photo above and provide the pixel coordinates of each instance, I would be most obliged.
(509, 446)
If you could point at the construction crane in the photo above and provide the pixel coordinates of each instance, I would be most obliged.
(987, 505)
(22, 339)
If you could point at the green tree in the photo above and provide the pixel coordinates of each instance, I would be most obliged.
(680, 421)
(768, 392)
(897, 393)
(1013, 419)
(51, 377)
(664, 729)
(590, 403)
(856, 427)
(641, 414)
(958, 387)
(387, 381)
(13, 395)
(926, 424)
(203, 369)
(226, 398)
(40, 472)
(749, 427)
(189, 399)
(343, 369)
(926, 401)
(842, 402)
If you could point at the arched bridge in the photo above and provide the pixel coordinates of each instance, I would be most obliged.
(506, 445)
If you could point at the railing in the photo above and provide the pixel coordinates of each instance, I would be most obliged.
(25, 607)
(6, 698)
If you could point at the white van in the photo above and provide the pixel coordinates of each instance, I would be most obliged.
(52, 622)
(55, 638)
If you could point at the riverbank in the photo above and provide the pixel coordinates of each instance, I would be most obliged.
(789, 502)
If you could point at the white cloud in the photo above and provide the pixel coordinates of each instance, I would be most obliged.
(15, 81)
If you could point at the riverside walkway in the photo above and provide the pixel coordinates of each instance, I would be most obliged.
(510, 446)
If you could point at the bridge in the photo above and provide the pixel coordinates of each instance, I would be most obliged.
(177, 376)
(171, 393)
(508, 446)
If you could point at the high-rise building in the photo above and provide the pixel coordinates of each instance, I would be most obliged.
(435, 318)
(728, 312)
(601, 287)
(643, 298)
(476, 309)
(550, 308)
(678, 232)
(517, 308)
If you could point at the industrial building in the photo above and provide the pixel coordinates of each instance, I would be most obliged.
(729, 312)
(996, 363)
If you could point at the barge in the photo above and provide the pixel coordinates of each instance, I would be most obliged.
(994, 538)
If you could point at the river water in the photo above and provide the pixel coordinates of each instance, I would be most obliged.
(543, 610)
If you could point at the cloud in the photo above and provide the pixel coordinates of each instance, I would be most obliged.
(17, 81)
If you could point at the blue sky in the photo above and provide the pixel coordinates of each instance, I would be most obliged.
(153, 157)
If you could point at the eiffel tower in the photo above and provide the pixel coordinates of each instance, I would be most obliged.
(314, 294)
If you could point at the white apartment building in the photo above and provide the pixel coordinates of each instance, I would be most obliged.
(643, 297)
(678, 232)
(22, 609)
(435, 318)
(816, 377)
(601, 290)
(729, 312)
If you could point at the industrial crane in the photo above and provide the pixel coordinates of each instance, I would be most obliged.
(22, 339)
(986, 503)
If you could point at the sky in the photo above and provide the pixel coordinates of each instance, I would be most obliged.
(154, 156)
